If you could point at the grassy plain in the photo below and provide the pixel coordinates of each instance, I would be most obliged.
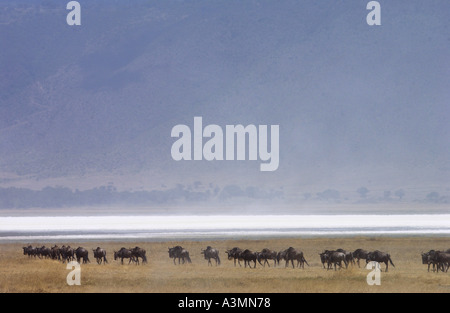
(19, 274)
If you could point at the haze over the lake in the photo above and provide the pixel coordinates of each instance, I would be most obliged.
(86, 112)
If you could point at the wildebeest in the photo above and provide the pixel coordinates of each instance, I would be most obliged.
(348, 256)
(30, 251)
(179, 253)
(234, 254)
(439, 259)
(211, 253)
(379, 257)
(67, 253)
(82, 253)
(139, 253)
(323, 258)
(292, 254)
(43, 252)
(427, 259)
(124, 253)
(248, 256)
(281, 255)
(443, 260)
(56, 253)
(100, 255)
(333, 257)
(267, 254)
(359, 254)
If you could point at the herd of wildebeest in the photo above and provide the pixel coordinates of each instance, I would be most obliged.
(337, 259)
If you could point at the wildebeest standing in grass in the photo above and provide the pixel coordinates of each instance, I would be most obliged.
(281, 255)
(124, 253)
(380, 257)
(234, 254)
(294, 254)
(30, 251)
(348, 256)
(427, 259)
(324, 258)
(211, 253)
(67, 253)
(439, 259)
(44, 252)
(248, 256)
(56, 253)
(100, 255)
(139, 253)
(179, 253)
(359, 254)
(82, 253)
(267, 254)
(336, 258)
(443, 261)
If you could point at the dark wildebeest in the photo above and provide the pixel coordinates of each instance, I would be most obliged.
(267, 254)
(100, 255)
(44, 252)
(359, 254)
(348, 256)
(332, 257)
(248, 256)
(56, 253)
(139, 253)
(124, 253)
(440, 259)
(379, 257)
(82, 253)
(281, 256)
(30, 251)
(324, 258)
(294, 254)
(427, 259)
(211, 253)
(179, 253)
(67, 253)
(234, 254)
(443, 260)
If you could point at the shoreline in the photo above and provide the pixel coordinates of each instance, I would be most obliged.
(185, 237)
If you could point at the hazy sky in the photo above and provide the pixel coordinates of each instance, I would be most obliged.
(356, 105)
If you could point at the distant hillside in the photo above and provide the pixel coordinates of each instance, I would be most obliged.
(89, 105)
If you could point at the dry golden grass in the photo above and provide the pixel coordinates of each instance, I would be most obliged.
(18, 273)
